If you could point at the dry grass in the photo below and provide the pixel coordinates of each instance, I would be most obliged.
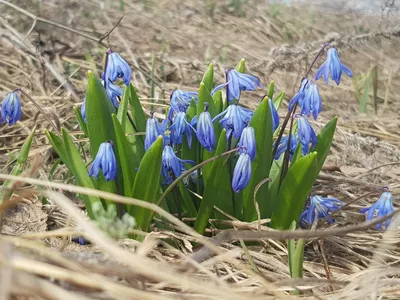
(51, 64)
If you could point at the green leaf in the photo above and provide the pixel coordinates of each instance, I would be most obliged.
(81, 122)
(59, 147)
(218, 101)
(324, 142)
(20, 164)
(187, 201)
(294, 190)
(100, 127)
(146, 186)
(137, 112)
(279, 100)
(123, 107)
(208, 77)
(78, 168)
(26, 147)
(241, 66)
(262, 124)
(125, 156)
(98, 114)
(211, 187)
(271, 88)
(296, 255)
(273, 187)
(205, 96)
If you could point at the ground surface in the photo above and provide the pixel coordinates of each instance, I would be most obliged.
(278, 43)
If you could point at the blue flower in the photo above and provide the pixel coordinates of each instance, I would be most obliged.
(241, 173)
(180, 101)
(383, 207)
(180, 127)
(334, 66)
(247, 142)
(172, 166)
(205, 130)
(283, 146)
(117, 67)
(11, 109)
(238, 82)
(308, 98)
(312, 101)
(320, 208)
(83, 110)
(306, 134)
(113, 92)
(105, 160)
(274, 113)
(235, 119)
(298, 98)
(153, 130)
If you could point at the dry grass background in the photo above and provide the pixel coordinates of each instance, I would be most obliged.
(278, 43)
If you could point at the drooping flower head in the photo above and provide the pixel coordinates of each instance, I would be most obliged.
(180, 101)
(320, 208)
(382, 207)
(105, 160)
(235, 119)
(172, 166)
(334, 66)
(113, 92)
(274, 113)
(153, 130)
(283, 144)
(180, 127)
(306, 135)
(238, 82)
(241, 173)
(247, 142)
(205, 130)
(308, 99)
(117, 67)
(11, 109)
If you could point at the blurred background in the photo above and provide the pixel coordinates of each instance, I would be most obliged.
(47, 47)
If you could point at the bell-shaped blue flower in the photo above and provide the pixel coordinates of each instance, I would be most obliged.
(205, 130)
(334, 66)
(283, 144)
(238, 82)
(312, 101)
(235, 119)
(298, 98)
(153, 130)
(306, 134)
(117, 67)
(113, 92)
(172, 166)
(308, 99)
(180, 101)
(241, 173)
(274, 113)
(11, 109)
(180, 127)
(247, 142)
(382, 207)
(320, 208)
(105, 160)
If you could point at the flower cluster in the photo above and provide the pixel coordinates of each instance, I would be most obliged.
(235, 119)
(308, 99)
